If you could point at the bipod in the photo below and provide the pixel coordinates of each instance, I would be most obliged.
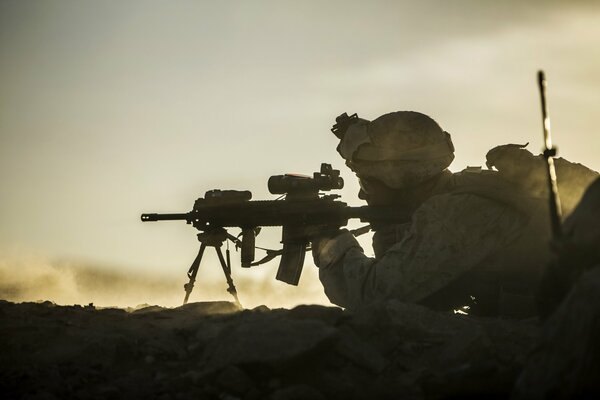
(212, 238)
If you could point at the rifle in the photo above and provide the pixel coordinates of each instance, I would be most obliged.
(301, 210)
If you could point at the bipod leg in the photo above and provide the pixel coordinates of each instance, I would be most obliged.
(188, 287)
(227, 271)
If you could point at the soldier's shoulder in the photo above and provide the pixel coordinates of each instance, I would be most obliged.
(460, 207)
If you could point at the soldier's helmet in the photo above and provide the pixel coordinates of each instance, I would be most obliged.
(400, 149)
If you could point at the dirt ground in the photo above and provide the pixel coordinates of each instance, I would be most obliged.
(215, 350)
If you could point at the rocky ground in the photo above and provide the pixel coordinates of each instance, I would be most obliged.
(214, 350)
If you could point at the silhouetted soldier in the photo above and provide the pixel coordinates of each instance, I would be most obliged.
(477, 238)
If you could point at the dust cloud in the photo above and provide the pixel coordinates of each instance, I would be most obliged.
(31, 278)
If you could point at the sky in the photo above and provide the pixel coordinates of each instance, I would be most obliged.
(109, 109)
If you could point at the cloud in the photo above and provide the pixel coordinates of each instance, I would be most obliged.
(482, 87)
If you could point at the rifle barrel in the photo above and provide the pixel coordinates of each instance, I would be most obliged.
(165, 217)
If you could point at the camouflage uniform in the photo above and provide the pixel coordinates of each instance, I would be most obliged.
(477, 235)
(457, 244)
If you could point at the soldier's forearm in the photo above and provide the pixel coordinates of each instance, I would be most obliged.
(328, 251)
(347, 281)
